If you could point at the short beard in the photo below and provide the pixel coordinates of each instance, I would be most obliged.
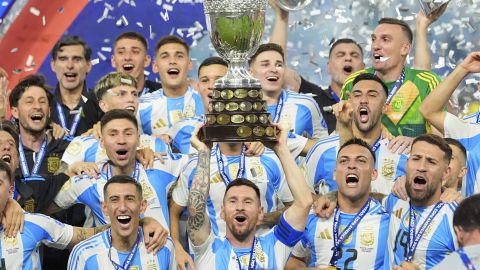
(241, 237)
(428, 194)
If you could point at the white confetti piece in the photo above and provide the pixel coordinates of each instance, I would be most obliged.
(35, 11)
(29, 61)
(106, 49)
(103, 57)
(95, 61)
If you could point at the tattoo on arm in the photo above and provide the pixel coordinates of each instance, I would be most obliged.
(100, 229)
(271, 219)
(198, 222)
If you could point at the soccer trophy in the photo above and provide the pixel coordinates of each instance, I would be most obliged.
(236, 112)
(430, 6)
(293, 5)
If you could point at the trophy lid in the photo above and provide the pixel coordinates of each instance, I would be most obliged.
(213, 6)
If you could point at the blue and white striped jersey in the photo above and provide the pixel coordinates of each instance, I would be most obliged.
(265, 171)
(469, 136)
(453, 260)
(155, 184)
(88, 149)
(473, 118)
(363, 249)
(157, 112)
(96, 253)
(271, 250)
(322, 158)
(438, 240)
(301, 115)
(21, 251)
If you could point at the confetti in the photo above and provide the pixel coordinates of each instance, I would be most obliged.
(35, 11)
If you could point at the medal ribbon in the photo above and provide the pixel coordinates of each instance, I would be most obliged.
(252, 262)
(396, 86)
(414, 238)
(136, 171)
(221, 166)
(279, 107)
(63, 120)
(376, 145)
(466, 261)
(131, 254)
(38, 160)
(338, 239)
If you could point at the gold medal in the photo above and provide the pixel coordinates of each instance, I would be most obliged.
(231, 106)
(257, 106)
(251, 118)
(269, 131)
(237, 118)
(259, 131)
(216, 94)
(241, 93)
(263, 118)
(210, 107)
(211, 119)
(223, 119)
(245, 106)
(253, 93)
(244, 131)
(227, 94)
(331, 267)
(219, 106)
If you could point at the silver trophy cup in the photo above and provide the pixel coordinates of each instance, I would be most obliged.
(237, 112)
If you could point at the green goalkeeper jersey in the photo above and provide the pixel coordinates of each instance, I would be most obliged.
(402, 116)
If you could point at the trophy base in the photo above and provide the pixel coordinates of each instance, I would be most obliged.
(239, 133)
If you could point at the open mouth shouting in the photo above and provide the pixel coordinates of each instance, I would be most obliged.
(352, 180)
(272, 78)
(71, 76)
(122, 154)
(7, 158)
(419, 182)
(380, 58)
(347, 69)
(128, 67)
(124, 220)
(174, 72)
(37, 117)
(363, 114)
(240, 219)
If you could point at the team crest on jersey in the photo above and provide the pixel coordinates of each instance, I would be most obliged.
(11, 244)
(388, 168)
(74, 148)
(367, 237)
(152, 265)
(189, 111)
(147, 190)
(398, 103)
(53, 164)
(159, 124)
(29, 205)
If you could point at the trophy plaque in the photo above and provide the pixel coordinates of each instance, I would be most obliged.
(237, 112)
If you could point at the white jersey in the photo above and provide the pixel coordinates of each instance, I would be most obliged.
(322, 158)
(468, 135)
(453, 260)
(96, 253)
(300, 114)
(155, 183)
(363, 249)
(157, 112)
(271, 250)
(438, 240)
(88, 149)
(21, 251)
(265, 171)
